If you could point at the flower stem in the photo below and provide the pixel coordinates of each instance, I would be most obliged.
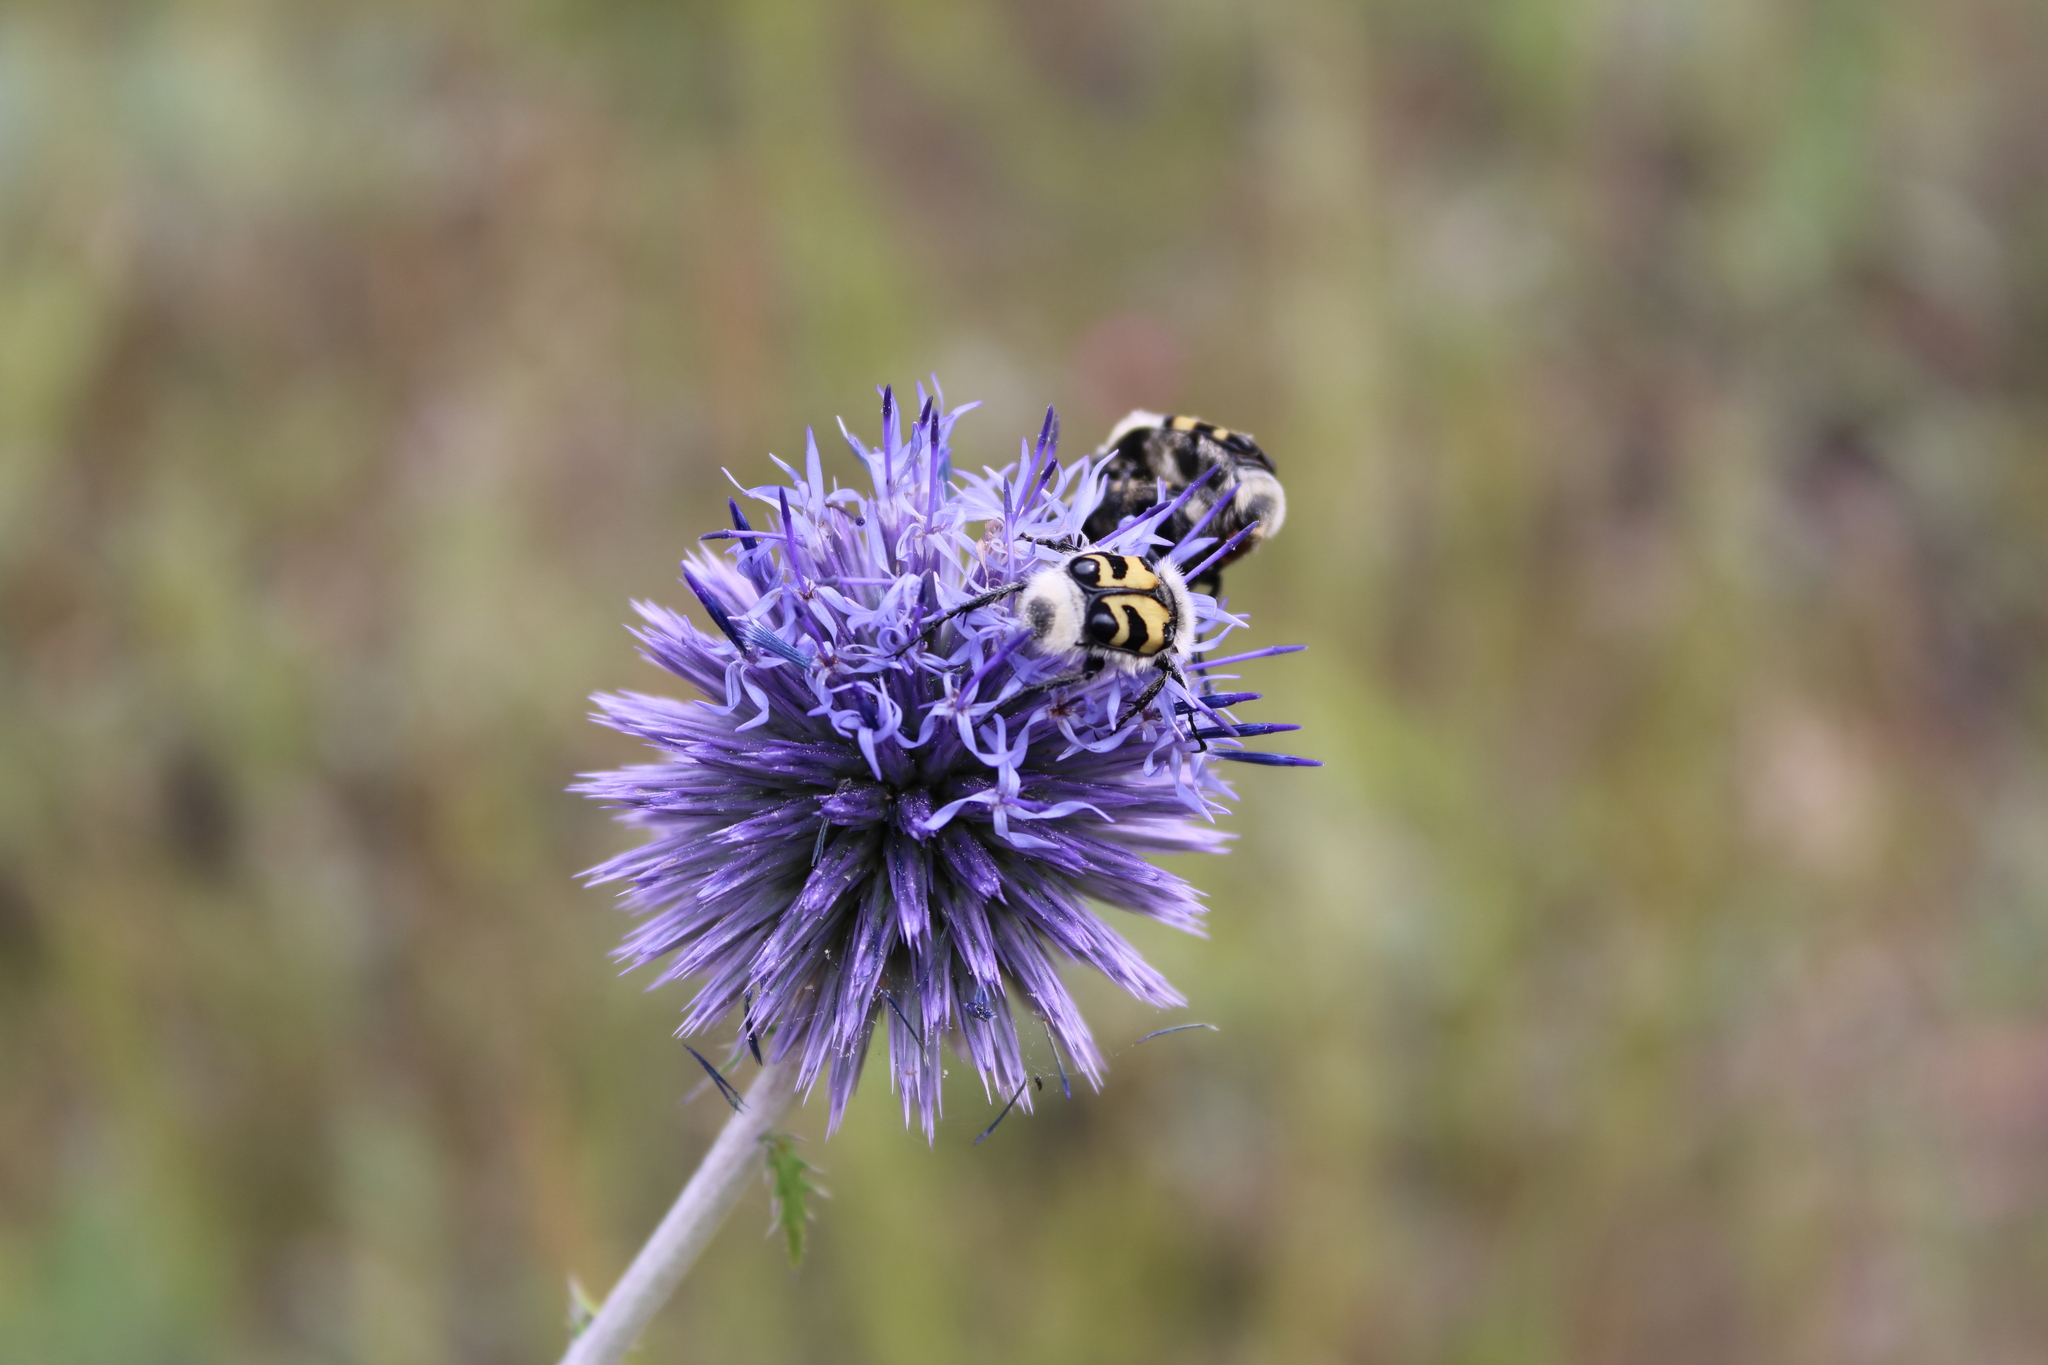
(690, 1223)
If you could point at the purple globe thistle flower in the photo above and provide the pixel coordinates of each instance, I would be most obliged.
(872, 819)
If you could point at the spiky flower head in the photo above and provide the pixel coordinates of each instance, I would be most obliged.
(863, 822)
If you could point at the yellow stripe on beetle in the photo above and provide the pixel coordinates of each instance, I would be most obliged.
(1197, 424)
(1143, 623)
(1113, 571)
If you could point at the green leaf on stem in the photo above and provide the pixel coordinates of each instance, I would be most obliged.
(789, 1187)
(582, 1308)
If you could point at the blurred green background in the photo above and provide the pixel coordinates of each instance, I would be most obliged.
(1658, 972)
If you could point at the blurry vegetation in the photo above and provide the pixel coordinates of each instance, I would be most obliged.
(1658, 972)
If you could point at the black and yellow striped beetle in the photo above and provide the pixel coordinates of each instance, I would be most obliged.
(1121, 613)
(1151, 456)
